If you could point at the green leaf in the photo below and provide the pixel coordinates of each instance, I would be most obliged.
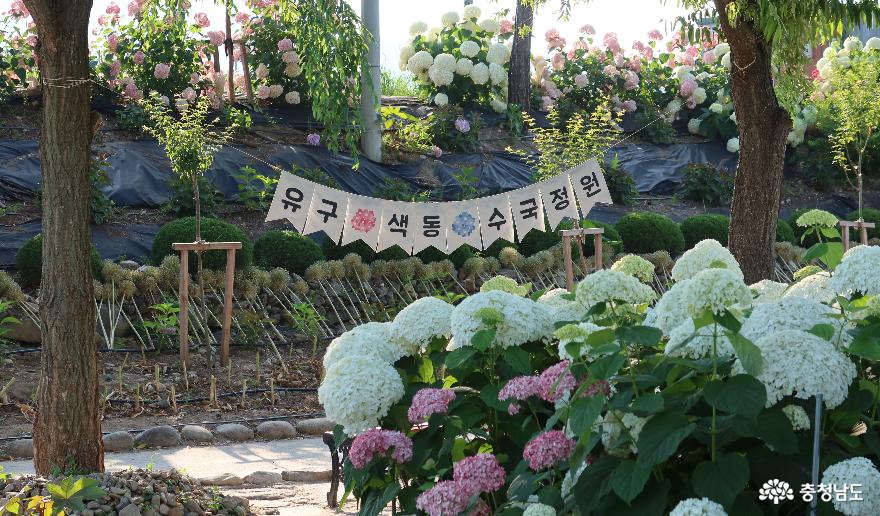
(722, 480)
(648, 403)
(642, 335)
(824, 331)
(866, 346)
(375, 500)
(600, 337)
(607, 366)
(426, 370)
(774, 428)
(747, 352)
(483, 339)
(742, 394)
(518, 359)
(629, 478)
(661, 436)
(594, 483)
(459, 356)
(583, 413)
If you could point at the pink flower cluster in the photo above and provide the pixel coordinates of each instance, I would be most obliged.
(18, 9)
(588, 29)
(216, 37)
(112, 42)
(547, 449)
(655, 35)
(519, 388)
(446, 498)
(134, 8)
(285, 45)
(556, 381)
(313, 139)
(242, 17)
(161, 71)
(202, 20)
(429, 401)
(506, 26)
(554, 40)
(480, 473)
(138, 57)
(374, 442)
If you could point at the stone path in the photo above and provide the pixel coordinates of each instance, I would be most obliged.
(287, 498)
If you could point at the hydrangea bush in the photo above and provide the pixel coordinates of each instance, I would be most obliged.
(596, 402)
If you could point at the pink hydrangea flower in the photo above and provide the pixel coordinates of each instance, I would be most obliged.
(506, 26)
(161, 71)
(113, 9)
(709, 57)
(194, 78)
(547, 449)
(188, 94)
(610, 71)
(588, 29)
(18, 9)
(138, 57)
(638, 46)
(558, 60)
(242, 17)
(480, 473)
(611, 43)
(655, 35)
(290, 57)
(130, 89)
(134, 8)
(285, 45)
(686, 59)
(520, 388)
(436, 151)
(375, 442)
(216, 37)
(236, 53)
(429, 401)
(115, 68)
(688, 86)
(648, 53)
(630, 105)
(631, 80)
(202, 20)
(691, 103)
(446, 498)
(580, 80)
(554, 40)
(556, 381)
(112, 42)
(619, 60)
(263, 92)
(635, 65)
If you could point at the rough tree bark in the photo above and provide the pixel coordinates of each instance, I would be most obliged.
(763, 126)
(67, 429)
(519, 90)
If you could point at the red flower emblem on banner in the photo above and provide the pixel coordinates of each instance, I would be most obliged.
(364, 220)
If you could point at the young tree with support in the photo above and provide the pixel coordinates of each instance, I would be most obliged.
(67, 428)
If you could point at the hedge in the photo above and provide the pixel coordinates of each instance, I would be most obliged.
(286, 249)
(29, 261)
(213, 230)
(644, 232)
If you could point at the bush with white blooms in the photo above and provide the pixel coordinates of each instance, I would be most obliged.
(521, 402)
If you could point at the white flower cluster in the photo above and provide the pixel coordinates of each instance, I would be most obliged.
(685, 341)
(419, 62)
(733, 144)
(416, 325)
(358, 391)
(705, 255)
(574, 333)
(561, 309)
(469, 48)
(442, 71)
(498, 53)
(480, 73)
(523, 320)
(539, 509)
(817, 218)
(613, 434)
(698, 507)
(506, 284)
(815, 287)
(857, 470)
(767, 291)
(857, 272)
(608, 285)
(715, 290)
(800, 364)
(635, 266)
(671, 310)
(790, 313)
(797, 416)
(371, 340)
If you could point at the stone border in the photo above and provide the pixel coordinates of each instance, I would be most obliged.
(167, 436)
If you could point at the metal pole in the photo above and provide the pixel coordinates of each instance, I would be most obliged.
(371, 140)
(817, 428)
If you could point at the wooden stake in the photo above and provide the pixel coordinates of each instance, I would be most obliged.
(184, 306)
(173, 399)
(229, 374)
(272, 391)
(185, 378)
(212, 394)
(569, 266)
(227, 304)
(258, 366)
(244, 392)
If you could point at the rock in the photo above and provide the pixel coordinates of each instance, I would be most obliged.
(234, 432)
(315, 426)
(197, 434)
(129, 265)
(231, 502)
(223, 480)
(25, 331)
(307, 476)
(22, 392)
(157, 437)
(276, 430)
(263, 478)
(118, 441)
(176, 511)
(21, 449)
(130, 510)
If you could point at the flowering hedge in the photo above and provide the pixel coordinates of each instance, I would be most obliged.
(609, 399)
(274, 63)
(17, 41)
(464, 61)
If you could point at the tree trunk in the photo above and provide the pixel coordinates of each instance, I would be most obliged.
(519, 90)
(763, 126)
(67, 429)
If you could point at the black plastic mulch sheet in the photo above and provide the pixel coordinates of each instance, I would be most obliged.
(657, 168)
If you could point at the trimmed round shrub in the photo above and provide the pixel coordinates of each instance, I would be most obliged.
(870, 215)
(701, 227)
(497, 246)
(334, 251)
(286, 249)
(784, 233)
(537, 241)
(213, 230)
(644, 232)
(458, 257)
(29, 261)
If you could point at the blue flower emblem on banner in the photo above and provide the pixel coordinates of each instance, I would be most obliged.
(464, 224)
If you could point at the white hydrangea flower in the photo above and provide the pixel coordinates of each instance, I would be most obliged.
(292, 70)
(817, 218)
(694, 125)
(671, 310)
(417, 28)
(608, 285)
(539, 509)
(829, 53)
(698, 507)
(715, 290)
(292, 97)
(498, 53)
(872, 44)
(469, 48)
(725, 60)
(790, 313)
(445, 62)
(523, 320)
(369, 340)
(433, 33)
(571, 478)
(440, 76)
(418, 323)
(505, 284)
(857, 272)
(419, 62)
(613, 434)
(797, 416)
(574, 333)
(800, 364)
(733, 145)
(815, 287)
(449, 19)
(480, 73)
(767, 291)
(732, 118)
(464, 66)
(561, 309)
(405, 53)
(852, 43)
(716, 107)
(441, 99)
(497, 73)
(635, 266)
(705, 255)
(685, 341)
(498, 105)
(490, 25)
(358, 391)
(721, 49)
(858, 470)
(699, 95)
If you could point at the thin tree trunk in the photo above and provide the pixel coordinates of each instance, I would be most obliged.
(763, 126)
(67, 429)
(519, 90)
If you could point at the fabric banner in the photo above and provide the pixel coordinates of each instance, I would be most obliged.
(327, 212)
(558, 200)
(292, 200)
(528, 210)
(430, 226)
(398, 225)
(463, 219)
(362, 220)
(589, 186)
(496, 220)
